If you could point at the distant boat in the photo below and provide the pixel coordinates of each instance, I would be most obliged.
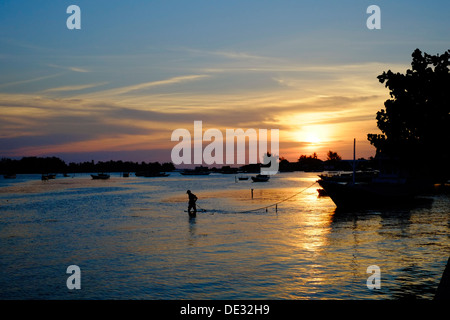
(150, 174)
(243, 178)
(100, 176)
(45, 177)
(261, 178)
(228, 170)
(125, 174)
(191, 172)
(198, 171)
(9, 176)
(156, 174)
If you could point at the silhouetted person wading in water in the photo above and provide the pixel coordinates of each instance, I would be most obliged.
(192, 199)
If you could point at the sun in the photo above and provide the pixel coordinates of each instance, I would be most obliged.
(312, 137)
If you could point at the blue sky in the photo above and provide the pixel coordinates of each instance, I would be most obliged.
(137, 70)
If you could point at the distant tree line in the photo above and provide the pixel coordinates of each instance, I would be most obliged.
(56, 165)
(30, 165)
(312, 163)
(333, 162)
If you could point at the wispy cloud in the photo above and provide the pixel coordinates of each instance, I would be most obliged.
(75, 87)
(146, 85)
(228, 54)
(23, 44)
(78, 69)
(70, 68)
(174, 80)
(8, 84)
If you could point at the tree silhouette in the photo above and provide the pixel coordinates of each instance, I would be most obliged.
(415, 121)
(333, 156)
(311, 162)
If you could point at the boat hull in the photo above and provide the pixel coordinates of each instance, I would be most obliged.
(368, 195)
(151, 174)
(100, 176)
(187, 173)
(261, 178)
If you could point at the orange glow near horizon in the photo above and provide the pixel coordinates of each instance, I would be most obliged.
(300, 133)
(124, 121)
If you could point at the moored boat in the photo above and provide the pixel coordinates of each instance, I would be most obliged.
(360, 176)
(261, 178)
(192, 172)
(150, 174)
(380, 192)
(100, 176)
(45, 177)
(374, 190)
(198, 171)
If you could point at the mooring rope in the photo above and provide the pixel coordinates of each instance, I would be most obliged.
(276, 203)
(265, 207)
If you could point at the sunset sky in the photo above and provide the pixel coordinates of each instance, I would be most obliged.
(137, 70)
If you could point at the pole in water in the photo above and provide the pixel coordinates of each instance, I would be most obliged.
(276, 208)
(252, 193)
(354, 161)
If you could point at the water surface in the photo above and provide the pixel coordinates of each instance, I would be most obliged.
(132, 239)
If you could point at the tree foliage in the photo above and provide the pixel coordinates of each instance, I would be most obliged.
(415, 121)
(56, 165)
(333, 156)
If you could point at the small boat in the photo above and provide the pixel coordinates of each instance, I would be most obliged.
(198, 171)
(261, 178)
(125, 174)
(243, 178)
(228, 170)
(156, 174)
(100, 176)
(44, 177)
(189, 172)
(151, 174)
(9, 176)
